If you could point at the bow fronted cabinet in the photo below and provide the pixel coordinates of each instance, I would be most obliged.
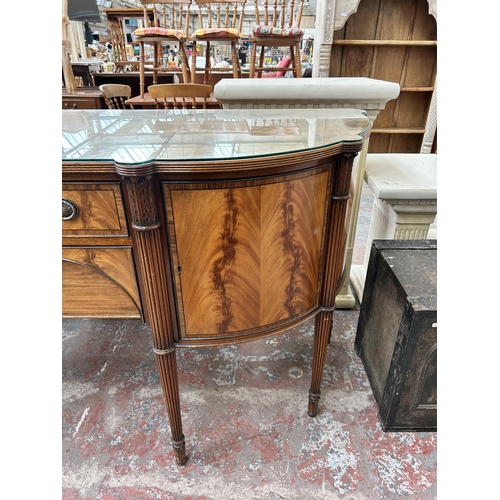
(213, 226)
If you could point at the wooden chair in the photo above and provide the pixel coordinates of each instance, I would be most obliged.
(282, 30)
(172, 27)
(115, 95)
(116, 18)
(220, 23)
(179, 95)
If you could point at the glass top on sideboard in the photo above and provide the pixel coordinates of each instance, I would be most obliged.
(140, 136)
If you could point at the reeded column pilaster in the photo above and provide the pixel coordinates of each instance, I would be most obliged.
(146, 228)
(333, 271)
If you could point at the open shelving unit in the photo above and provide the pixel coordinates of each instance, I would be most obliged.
(396, 41)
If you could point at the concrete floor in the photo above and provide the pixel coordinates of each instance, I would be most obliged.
(244, 410)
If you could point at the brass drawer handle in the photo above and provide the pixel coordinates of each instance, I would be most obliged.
(70, 209)
(67, 107)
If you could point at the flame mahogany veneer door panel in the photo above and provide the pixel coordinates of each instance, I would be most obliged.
(247, 256)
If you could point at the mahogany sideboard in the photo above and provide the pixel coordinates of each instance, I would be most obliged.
(213, 226)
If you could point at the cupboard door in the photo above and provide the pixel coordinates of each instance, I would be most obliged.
(247, 257)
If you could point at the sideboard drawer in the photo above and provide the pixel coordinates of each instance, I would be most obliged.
(79, 104)
(99, 282)
(93, 210)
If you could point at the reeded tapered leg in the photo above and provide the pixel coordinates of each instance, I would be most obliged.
(167, 367)
(333, 272)
(146, 231)
(322, 329)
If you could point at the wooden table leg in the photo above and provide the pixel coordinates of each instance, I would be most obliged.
(333, 272)
(322, 329)
(146, 231)
(167, 367)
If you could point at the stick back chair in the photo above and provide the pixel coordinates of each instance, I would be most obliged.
(115, 95)
(180, 95)
(220, 22)
(280, 29)
(171, 27)
(116, 18)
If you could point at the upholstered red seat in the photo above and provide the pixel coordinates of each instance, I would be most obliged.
(156, 31)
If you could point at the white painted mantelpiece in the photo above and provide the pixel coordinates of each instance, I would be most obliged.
(360, 93)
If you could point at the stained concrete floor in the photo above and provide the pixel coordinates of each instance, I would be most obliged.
(244, 411)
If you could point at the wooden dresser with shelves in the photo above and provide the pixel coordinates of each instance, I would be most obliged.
(214, 227)
(394, 41)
